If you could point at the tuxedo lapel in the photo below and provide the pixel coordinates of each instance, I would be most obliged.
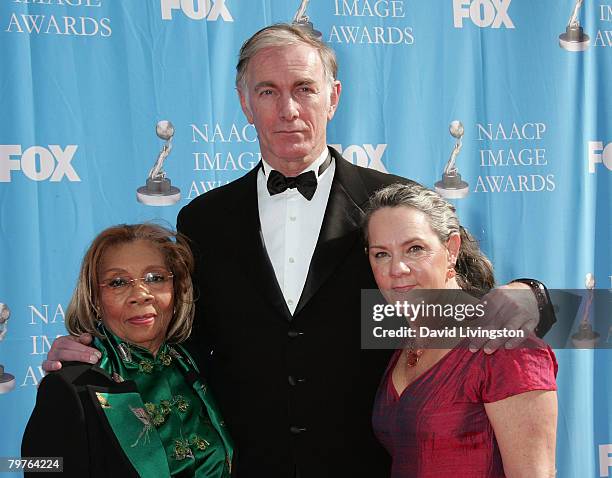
(340, 229)
(248, 240)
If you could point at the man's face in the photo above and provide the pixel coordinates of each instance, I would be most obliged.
(289, 101)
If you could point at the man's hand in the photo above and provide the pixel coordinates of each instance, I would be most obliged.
(513, 307)
(69, 348)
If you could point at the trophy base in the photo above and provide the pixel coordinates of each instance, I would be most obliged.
(167, 199)
(585, 343)
(158, 192)
(452, 187)
(309, 27)
(7, 382)
(586, 337)
(574, 39)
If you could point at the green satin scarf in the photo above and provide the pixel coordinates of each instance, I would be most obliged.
(173, 411)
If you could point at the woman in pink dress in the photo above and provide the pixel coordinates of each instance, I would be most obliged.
(445, 411)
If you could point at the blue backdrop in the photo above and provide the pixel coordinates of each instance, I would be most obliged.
(83, 83)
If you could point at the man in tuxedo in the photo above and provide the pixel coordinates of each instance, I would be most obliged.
(280, 266)
(280, 276)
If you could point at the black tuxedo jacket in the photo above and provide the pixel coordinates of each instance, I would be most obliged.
(296, 391)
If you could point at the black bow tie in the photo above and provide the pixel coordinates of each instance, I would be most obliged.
(306, 183)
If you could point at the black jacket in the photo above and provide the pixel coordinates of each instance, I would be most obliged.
(73, 426)
(296, 392)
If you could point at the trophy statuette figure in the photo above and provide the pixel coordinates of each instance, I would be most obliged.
(300, 19)
(574, 38)
(158, 190)
(452, 186)
(7, 381)
(586, 337)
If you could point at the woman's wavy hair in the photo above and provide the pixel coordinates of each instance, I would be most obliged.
(84, 312)
(474, 271)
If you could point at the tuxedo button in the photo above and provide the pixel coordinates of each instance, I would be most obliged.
(294, 333)
(293, 381)
(296, 430)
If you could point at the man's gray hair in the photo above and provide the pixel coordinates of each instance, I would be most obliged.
(279, 35)
(473, 268)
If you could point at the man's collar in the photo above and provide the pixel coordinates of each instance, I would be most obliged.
(314, 166)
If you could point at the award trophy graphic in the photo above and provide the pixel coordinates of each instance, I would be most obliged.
(586, 337)
(452, 186)
(7, 381)
(159, 190)
(574, 38)
(301, 20)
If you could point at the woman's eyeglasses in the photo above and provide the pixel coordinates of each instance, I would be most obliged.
(153, 281)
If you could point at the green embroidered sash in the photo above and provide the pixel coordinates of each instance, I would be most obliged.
(172, 425)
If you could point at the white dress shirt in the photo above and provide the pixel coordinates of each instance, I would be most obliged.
(290, 225)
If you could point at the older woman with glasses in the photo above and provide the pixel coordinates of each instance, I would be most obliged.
(442, 410)
(143, 410)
